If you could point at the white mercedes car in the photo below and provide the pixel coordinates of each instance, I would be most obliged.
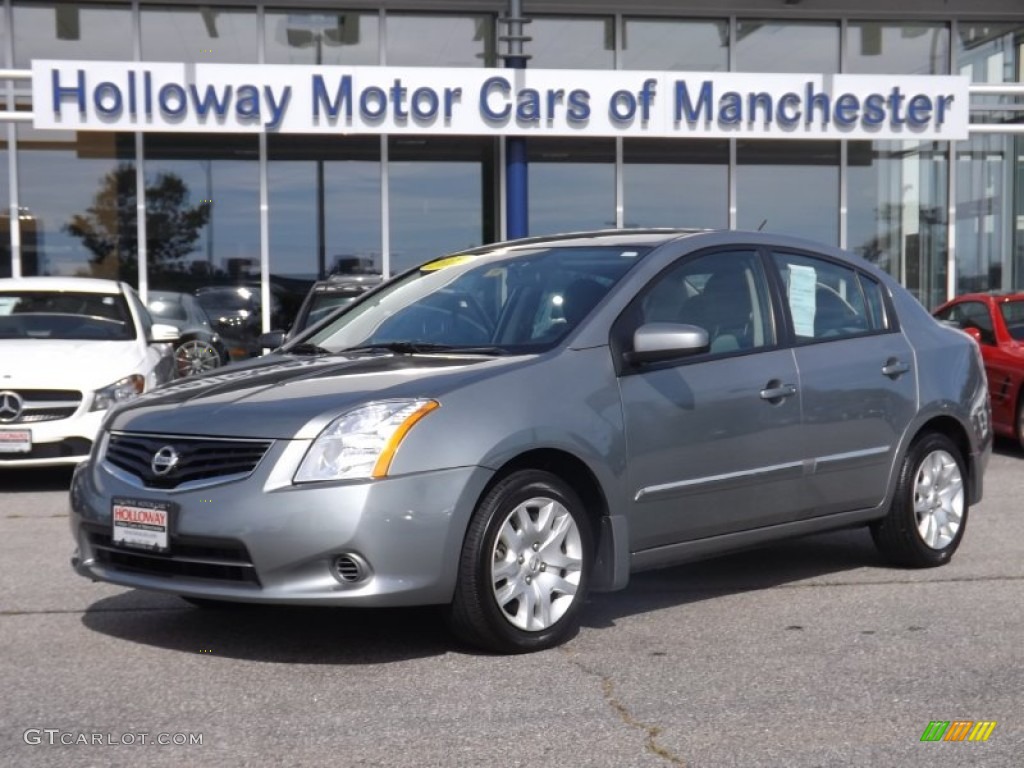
(70, 348)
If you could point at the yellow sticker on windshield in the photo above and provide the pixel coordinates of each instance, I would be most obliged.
(447, 261)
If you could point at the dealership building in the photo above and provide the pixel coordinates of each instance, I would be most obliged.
(179, 145)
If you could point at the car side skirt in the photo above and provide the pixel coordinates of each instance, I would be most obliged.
(687, 551)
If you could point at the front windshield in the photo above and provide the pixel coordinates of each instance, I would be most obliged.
(227, 299)
(1013, 314)
(513, 300)
(64, 315)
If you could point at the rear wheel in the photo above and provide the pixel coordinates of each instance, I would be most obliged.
(525, 566)
(1020, 418)
(928, 514)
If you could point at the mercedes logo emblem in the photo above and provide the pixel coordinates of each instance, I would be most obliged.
(11, 405)
(164, 460)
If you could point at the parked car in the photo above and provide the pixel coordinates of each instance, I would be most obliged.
(70, 348)
(996, 322)
(199, 348)
(324, 297)
(504, 429)
(235, 312)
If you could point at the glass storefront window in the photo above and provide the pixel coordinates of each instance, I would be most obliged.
(675, 45)
(576, 43)
(77, 203)
(897, 211)
(83, 31)
(789, 186)
(571, 184)
(787, 46)
(6, 254)
(675, 183)
(322, 37)
(442, 194)
(348, 212)
(202, 210)
(989, 172)
(440, 41)
(199, 34)
(897, 48)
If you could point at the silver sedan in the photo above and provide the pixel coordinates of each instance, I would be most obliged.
(501, 430)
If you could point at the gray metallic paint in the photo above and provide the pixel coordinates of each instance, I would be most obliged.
(653, 467)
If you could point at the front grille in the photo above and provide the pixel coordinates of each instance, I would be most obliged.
(44, 405)
(189, 558)
(198, 458)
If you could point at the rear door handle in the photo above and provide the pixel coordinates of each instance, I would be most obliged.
(894, 368)
(776, 391)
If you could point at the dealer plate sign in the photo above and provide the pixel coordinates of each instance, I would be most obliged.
(141, 523)
(15, 441)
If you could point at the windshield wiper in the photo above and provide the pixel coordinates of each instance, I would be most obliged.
(305, 348)
(422, 347)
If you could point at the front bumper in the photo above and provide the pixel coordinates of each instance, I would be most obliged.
(62, 442)
(263, 540)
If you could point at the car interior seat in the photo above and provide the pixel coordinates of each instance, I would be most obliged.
(724, 310)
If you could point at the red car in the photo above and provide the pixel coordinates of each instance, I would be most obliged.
(996, 321)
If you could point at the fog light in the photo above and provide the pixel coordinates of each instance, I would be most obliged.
(350, 568)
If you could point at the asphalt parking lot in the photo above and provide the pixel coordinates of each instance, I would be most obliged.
(810, 653)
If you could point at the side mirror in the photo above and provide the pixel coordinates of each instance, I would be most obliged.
(973, 332)
(655, 342)
(271, 339)
(163, 334)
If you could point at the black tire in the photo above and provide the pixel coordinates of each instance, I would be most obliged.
(477, 615)
(1020, 419)
(915, 503)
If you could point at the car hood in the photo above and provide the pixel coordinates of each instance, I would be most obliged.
(280, 396)
(66, 363)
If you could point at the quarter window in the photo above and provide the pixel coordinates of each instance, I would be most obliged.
(827, 301)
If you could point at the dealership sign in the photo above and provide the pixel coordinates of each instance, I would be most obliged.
(242, 98)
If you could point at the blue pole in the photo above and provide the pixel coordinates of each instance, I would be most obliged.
(517, 199)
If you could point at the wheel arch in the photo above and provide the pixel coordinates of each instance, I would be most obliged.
(952, 428)
(611, 561)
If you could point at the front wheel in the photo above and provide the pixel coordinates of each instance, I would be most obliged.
(928, 514)
(195, 356)
(525, 565)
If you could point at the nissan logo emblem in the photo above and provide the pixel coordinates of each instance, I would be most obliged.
(10, 406)
(164, 460)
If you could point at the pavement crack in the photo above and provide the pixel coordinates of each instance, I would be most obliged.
(651, 732)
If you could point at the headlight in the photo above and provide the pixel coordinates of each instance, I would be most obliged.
(118, 392)
(362, 442)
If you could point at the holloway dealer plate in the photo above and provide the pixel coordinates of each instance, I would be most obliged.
(15, 441)
(141, 523)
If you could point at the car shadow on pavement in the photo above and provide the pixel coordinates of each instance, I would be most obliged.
(274, 634)
(35, 479)
(785, 563)
(311, 635)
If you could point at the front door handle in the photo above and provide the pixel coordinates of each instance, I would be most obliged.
(894, 368)
(775, 391)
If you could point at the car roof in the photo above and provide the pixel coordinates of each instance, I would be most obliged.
(615, 237)
(987, 296)
(79, 284)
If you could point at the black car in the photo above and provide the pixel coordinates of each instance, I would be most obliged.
(236, 312)
(324, 297)
(199, 348)
(327, 295)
